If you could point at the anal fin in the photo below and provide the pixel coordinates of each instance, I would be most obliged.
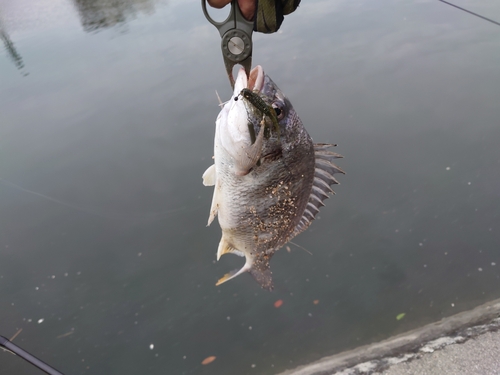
(231, 275)
(259, 270)
(257, 266)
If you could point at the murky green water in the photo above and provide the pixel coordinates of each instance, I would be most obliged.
(107, 113)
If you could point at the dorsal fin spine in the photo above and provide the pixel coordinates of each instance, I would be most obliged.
(321, 188)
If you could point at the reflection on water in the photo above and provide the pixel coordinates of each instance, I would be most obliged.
(101, 14)
(10, 48)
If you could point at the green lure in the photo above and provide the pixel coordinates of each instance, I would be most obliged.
(262, 106)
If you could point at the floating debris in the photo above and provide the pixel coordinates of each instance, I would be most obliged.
(400, 316)
(16, 334)
(278, 303)
(316, 301)
(65, 334)
(151, 346)
(208, 360)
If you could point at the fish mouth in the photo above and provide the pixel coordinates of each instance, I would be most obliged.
(256, 78)
(254, 82)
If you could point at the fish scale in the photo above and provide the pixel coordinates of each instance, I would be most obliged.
(267, 189)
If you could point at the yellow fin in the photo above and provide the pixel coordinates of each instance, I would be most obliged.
(226, 277)
(231, 275)
(224, 248)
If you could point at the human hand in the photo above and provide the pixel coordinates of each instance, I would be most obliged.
(269, 13)
(247, 7)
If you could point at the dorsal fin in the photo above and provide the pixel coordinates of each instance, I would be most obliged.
(323, 180)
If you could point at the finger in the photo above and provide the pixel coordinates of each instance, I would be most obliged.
(247, 8)
(218, 3)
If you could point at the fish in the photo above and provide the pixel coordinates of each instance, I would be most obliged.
(268, 187)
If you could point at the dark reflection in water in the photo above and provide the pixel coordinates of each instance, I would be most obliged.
(11, 48)
(101, 14)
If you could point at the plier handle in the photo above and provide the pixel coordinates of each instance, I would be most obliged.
(236, 34)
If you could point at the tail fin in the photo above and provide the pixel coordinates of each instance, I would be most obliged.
(263, 276)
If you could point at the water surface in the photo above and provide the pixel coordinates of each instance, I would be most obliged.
(107, 113)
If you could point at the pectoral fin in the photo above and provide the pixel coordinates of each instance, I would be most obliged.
(209, 177)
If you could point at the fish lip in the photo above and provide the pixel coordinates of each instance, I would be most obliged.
(240, 83)
(255, 81)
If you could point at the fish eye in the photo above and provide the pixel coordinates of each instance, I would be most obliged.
(278, 109)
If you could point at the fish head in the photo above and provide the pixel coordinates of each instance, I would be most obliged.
(290, 127)
(263, 85)
(232, 131)
(240, 120)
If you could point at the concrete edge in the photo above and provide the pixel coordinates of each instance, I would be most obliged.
(405, 342)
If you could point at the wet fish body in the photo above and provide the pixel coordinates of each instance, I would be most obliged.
(267, 189)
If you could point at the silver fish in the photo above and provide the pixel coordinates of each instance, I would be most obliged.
(267, 189)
